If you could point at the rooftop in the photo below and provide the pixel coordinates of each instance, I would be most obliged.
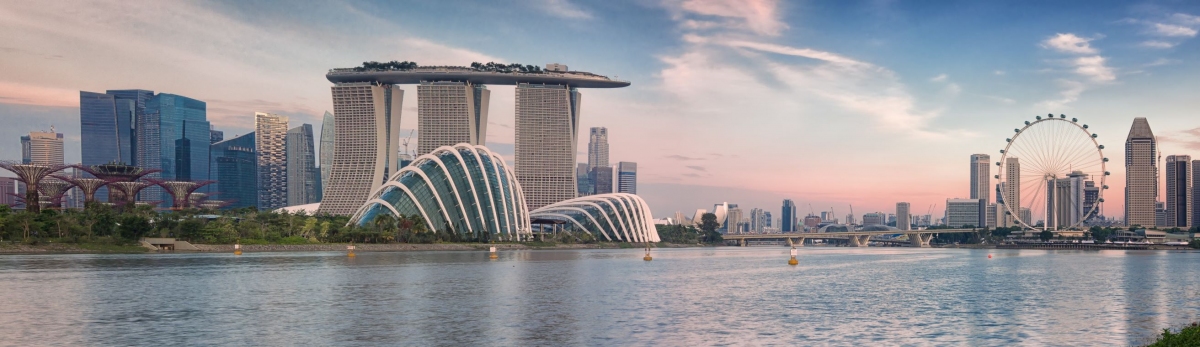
(476, 74)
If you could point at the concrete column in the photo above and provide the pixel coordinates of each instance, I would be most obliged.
(919, 239)
(859, 241)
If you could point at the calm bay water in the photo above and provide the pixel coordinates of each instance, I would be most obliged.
(710, 296)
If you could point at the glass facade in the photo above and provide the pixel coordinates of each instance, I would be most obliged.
(236, 171)
(302, 176)
(328, 133)
(98, 130)
(462, 189)
(610, 217)
(181, 148)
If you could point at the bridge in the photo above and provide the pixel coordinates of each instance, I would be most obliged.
(916, 238)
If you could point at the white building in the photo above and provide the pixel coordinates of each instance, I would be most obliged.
(270, 142)
(449, 113)
(980, 176)
(963, 212)
(547, 121)
(903, 219)
(367, 126)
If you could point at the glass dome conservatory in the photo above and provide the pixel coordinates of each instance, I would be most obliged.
(610, 217)
(462, 189)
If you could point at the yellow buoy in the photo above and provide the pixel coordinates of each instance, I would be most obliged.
(793, 261)
(237, 249)
(492, 253)
(350, 250)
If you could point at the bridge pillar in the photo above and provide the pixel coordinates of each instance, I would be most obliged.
(919, 239)
(859, 240)
(799, 242)
(742, 242)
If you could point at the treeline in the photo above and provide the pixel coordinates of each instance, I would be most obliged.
(505, 68)
(391, 65)
(707, 233)
(99, 223)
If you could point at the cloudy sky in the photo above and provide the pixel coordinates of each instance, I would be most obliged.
(829, 103)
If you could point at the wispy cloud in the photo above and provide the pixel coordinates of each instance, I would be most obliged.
(696, 167)
(939, 78)
(760, 17)
(1070, 92)
(1070, 43)
(682, 157)
(1174, 30)
(561, 8)
(1157, 44)
(1093, 68)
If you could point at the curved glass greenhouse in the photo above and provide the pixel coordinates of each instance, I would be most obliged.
(610, 217)
(463, 189)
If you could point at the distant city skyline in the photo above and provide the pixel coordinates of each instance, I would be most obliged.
(860, 77)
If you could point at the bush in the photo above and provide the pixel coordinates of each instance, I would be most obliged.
(293, 240)
(1188, 336)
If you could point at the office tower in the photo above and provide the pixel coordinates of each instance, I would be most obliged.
(104, 133)
(875, 218)
(1179, 189)
(236, 171)
(733, 219)
(173, 136)
(627, 177)
(1011, 187)
(1065, 200)
(132, 103)
(1160, 213)
(8, 191)
(1091, 201)
(787, 217)
(903, 219)
(601, 178)
(582, 179)
(1141, 174)
(367, 126)
(1195, 193)
(755, 220)
(547, 121)
(301, 169)
(215, 136)
(327, 137)
(42, 148)
(450, 113)
(966, 212)
(270, 140)
(598, 147)
(850, 220)
(980, 176)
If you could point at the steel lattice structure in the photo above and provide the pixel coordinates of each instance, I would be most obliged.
(32, 175)
(1052, 168)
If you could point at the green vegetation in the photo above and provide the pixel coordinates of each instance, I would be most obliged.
(688, 235)
(104, 228)
(391, 65)
(1188, 336)
(709, 225)
(505, 68)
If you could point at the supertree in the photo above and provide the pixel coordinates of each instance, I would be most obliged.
(214, 204)
(53, 188)
(129, 191)
(89, 186)
(117, 172)
(32, 175)
(181, 191)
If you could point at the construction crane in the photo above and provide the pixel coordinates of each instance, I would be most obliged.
(406, 140)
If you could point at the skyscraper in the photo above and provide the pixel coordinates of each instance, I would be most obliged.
(547, 122)
(1141, 174)
(1195, 193)
(965, 212)
(980, 176)
(215, 136)
(327, 138)
(598, 147)
(1065, 200)
(236, 171)
(174, 137)
(302, 174)
(903, 219)
(601, 178)
(449, 113)
(1011, 188)
(367, 124)
(582, 179)
(42, 148)
(787, 217)
(1179, 190)
(104, 133)
(627, 177)
(270, 140)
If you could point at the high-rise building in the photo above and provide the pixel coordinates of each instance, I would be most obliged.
(173, 136)
(547, 122)
(1091, 201)
(215, 136)
(270, 140)
(787, 217)
(990, 220)
(367, 125)
(1160, 213)
(903, 219)
(980, 176)
(875, 218)
(1011, 187)
(235, 167)
(328, 135)
(302, 175)
(1141, 174)
(966, 212)
(8, 191)
(598, 147)
(1179, 190)
(582, 179)
(42, 148)
(756, 220)
(451, 112)
(733, 219)
(104, 133)
(1065, 201)
(627, 177)
(601, 178)
(1195, 193)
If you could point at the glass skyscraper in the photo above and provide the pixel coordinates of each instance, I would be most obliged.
(328, 133)
(301, 172)
(235, 168)
(181, 147)
(627, 177)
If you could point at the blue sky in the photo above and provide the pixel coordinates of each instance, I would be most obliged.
(830, 103)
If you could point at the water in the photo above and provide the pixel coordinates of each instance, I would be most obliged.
(721, 296)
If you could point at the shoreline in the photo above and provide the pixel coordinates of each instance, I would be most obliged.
(68, 248)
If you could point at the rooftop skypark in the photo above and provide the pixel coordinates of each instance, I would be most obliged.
(406, 72)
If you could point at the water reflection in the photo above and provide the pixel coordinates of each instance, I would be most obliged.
(839, 296)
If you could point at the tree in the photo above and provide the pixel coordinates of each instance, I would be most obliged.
(1100, 234)
(134, 227)
(1046, 235)
(708, 224)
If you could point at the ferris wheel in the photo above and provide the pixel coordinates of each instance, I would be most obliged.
(1052, 175)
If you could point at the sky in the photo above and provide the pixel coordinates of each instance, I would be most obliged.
(830, 103)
